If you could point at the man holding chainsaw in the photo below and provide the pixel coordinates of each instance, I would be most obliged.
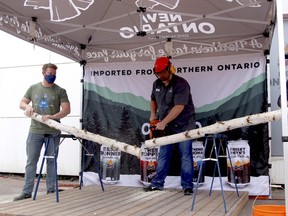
(171, 103)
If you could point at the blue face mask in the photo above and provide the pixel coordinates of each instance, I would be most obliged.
(50, 78)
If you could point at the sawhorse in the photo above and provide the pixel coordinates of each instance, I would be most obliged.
(45, 156)
(213, 137)
(85, 152)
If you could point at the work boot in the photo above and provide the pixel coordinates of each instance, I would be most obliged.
(151, 188)
(188, 191)
(22, 196)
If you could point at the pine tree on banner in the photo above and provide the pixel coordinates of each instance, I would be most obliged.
(137, 140)
(94, 126)
(126, 134)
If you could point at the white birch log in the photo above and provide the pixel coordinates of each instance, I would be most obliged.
(218, 127)
(133, 150)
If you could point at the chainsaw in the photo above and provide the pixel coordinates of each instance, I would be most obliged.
(154, 133)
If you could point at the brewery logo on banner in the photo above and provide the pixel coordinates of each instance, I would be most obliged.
(240, 158)
(148, 163)
(109, 165)
(198, 151)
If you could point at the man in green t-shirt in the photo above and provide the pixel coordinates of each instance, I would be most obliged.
(50, 101)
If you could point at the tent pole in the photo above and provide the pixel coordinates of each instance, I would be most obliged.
(82, 75)
(280, 27)
(268, 72)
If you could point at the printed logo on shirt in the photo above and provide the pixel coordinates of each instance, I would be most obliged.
(43, 102)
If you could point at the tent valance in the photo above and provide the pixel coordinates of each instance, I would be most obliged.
(113, 30)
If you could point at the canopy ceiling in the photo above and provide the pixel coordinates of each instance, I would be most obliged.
(138, 30)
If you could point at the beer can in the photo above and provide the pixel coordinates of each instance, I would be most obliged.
(109, 165)
(148, 163)
(198, 151)
(240, 158)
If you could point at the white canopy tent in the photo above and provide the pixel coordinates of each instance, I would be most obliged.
(141, 30)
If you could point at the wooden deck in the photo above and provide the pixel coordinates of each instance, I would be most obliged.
(120, 200)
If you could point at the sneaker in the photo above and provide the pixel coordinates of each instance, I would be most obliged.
(50, 192)
(188, 191)
(22, 196)
(151, 188)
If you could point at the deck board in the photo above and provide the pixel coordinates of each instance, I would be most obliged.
(120, 200)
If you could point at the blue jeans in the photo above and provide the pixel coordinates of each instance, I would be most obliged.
(187, 168)
(34, 145)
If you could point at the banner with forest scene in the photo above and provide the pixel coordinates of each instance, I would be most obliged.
(116, 103)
